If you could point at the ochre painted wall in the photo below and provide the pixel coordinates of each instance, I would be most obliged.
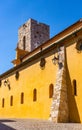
(74, 66)
(32, 77)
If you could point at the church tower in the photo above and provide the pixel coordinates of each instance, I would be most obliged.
(30, 35)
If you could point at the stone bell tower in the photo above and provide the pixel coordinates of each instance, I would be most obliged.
(30, 36)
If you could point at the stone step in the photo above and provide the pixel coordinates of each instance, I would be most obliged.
(36, 124)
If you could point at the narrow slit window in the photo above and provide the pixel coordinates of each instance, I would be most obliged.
(3, 101)
(34, 95)
(51, 89)
(75, 87)
(24, 43)
(22, 98)
(11, 101)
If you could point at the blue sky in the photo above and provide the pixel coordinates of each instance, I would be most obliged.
(59, 14)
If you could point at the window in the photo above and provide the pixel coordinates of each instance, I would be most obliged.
(75, 87)
(3, 100)
(22, 98)
(11, 101)
(51, 89)
(34, 95)
(24, 43)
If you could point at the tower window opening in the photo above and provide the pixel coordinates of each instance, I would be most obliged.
(24, 43)
(75, 87)
(34, 95)
(22, 98)
(51, 89)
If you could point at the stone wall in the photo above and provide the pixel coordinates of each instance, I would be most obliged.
(59, 108)
(35, 34)
(24, 30)
(39, 34)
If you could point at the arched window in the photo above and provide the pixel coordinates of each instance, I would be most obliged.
(51, 89)
(22, 98)
(34, 95)
(24, 43)
(11, 101)
(3, 101)
(75, 87)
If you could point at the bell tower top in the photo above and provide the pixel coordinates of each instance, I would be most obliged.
(32, 34)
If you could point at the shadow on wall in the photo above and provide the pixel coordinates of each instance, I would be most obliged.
(73, 110)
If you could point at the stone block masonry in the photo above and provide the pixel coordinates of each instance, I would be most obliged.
(59, 108)
(32, 34)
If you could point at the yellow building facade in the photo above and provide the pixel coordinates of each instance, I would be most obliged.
(45, 82)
